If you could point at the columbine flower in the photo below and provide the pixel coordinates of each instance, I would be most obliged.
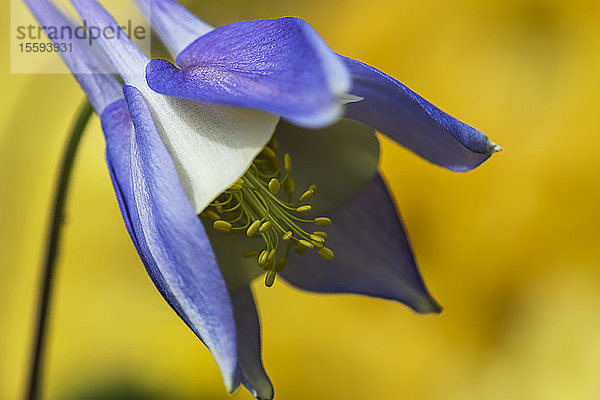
(179, 145)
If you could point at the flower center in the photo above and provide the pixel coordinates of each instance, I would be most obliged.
(253, 207)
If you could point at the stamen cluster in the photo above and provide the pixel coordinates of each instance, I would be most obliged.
(253, 206)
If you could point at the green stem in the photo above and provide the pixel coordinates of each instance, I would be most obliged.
(48, 271)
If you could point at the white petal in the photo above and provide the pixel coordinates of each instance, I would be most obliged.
(211, 146)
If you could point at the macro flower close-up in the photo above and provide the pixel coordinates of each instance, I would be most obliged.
(251, 156)
(247, 89)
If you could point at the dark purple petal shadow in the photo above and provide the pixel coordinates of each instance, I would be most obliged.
(247, 322)
(372, 254)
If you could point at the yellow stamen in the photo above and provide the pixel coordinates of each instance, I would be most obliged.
(237, 185)
(273, 143)
(211, 214)
(269, 153)
(274, 185)
(253, 228)
(290, 186)
(300, 249)
(270, 278)
(287, 236)
(222, 226)
(321, 233)
(306, 243)
(265, 227)
(287, 162)
(317, 238)
(326, 253)
(253, 206)
(306, 195)
(262, 258)
(322, 221)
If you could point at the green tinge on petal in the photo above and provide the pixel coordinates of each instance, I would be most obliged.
(238, 271)
(339, 159)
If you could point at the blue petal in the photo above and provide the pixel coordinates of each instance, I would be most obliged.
(167, 233)
(117, 128)
(254, 376)
(176, 27)
(87, 66)
(372, 255)
(395, 110)
(281, 66)
(127, 59)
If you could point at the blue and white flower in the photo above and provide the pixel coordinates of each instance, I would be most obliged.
(202, 136)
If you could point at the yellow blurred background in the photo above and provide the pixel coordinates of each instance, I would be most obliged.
(511, 250)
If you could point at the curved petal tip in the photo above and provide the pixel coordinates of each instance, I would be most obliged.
(494, 148)
(398, 112)
(428, 306)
